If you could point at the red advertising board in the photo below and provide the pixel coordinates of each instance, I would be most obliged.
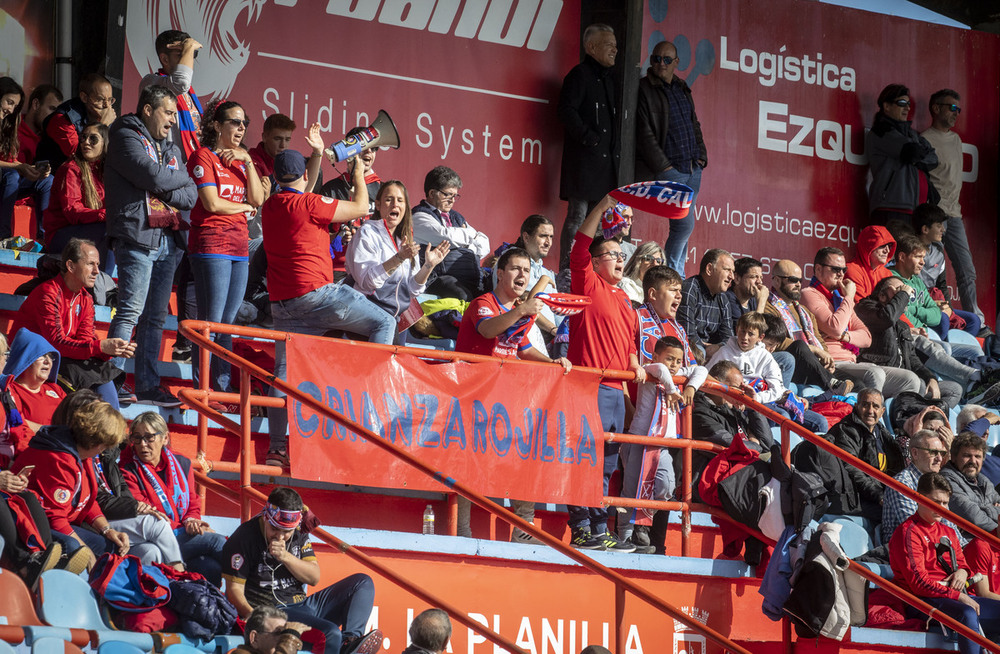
(515, 430)
(470, 85)
(784, 91)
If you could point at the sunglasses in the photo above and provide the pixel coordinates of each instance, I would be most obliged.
(236, 122)
(651, 259)
(665, 60)
(940, 453)
(791, 278)
(92, 139)
(842, 270)
(902, 103)
(954, 108)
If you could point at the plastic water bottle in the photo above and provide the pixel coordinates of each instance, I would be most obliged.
(428, 520)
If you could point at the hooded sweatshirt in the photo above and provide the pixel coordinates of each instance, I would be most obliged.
(65, 484)
(859, 269)
(20, 403)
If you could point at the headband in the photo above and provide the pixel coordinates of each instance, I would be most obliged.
(281, 519)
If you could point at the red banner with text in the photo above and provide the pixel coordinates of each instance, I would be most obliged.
(514, 430)
(785, 90)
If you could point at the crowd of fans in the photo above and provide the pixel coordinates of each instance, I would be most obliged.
(173, 194)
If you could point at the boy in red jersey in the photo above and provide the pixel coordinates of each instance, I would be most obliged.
(602, 336)
(927, 560)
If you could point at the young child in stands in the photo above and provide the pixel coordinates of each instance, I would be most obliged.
(761, 372)
(649, 471)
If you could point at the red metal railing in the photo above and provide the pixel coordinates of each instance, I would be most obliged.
(198, 332)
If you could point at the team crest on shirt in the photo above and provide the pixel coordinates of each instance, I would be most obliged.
(327, 200)
(485, 311)
(199, 172)
(52, 393)
(61, 495)
(236, 561)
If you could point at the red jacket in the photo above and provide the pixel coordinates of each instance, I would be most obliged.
(859, 269)
(66, 205)
(67, 486)
(63, 318)
(182, 501)
(914, 561)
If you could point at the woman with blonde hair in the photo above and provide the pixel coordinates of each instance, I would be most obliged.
(646, 256)
(60, 472)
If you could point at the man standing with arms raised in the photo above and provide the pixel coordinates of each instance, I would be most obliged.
(604, 337)
(668, 141)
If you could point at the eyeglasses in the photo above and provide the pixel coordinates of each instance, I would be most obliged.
(148, 439)
(954, 108)
(102, 102)
(612, 256)
(791, 279)
(236, 122)
(658, 261)
(837, 270)
(448, 196)
(902, 103)
(657, 59)
(92, 139)
(940, 453)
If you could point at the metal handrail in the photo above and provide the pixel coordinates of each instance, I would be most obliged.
(197, 332)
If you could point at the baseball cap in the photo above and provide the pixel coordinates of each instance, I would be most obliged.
(289, 165)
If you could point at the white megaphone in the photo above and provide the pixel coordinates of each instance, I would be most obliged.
(381, 133)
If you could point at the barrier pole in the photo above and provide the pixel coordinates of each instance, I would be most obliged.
(246, 444)
(686, 474)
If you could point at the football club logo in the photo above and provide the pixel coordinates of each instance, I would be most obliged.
(199, 172)
(61, 495)
(236, 561)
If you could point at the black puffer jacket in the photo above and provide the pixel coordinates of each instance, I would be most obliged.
(892, 342)
(852, 436)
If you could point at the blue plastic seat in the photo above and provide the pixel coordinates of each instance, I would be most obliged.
(182, 648)
(118, 647)
(50, 645)
(66, 600)
(5, 647)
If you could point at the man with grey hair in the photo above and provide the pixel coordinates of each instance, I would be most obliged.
(668, 140)
(976, 418)
(591, 148)
(268, 631)
(429, 633)
(704, 311)
(927, 454)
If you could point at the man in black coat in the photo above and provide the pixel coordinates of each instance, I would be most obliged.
(863, 435)
(591, 149)
(892, 342)
(717, 420)
(668, 140)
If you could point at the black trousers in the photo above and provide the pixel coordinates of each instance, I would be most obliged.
(14, 548)
(808, 369)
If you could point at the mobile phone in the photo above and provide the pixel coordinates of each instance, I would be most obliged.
(26, 470)
(43, 166)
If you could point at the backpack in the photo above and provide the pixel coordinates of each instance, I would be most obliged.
(126, 585)
(842, 497)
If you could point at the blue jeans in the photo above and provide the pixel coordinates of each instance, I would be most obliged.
(334, 306)
(202, 553)
(786, 363)
(336, 611)
(145, 279)
(219, 285)
(89, 231)
(98, 544)
(811, 420)
(12, 187)
(988, 618)
(956, 244)
(611, 405)
(680, 230)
